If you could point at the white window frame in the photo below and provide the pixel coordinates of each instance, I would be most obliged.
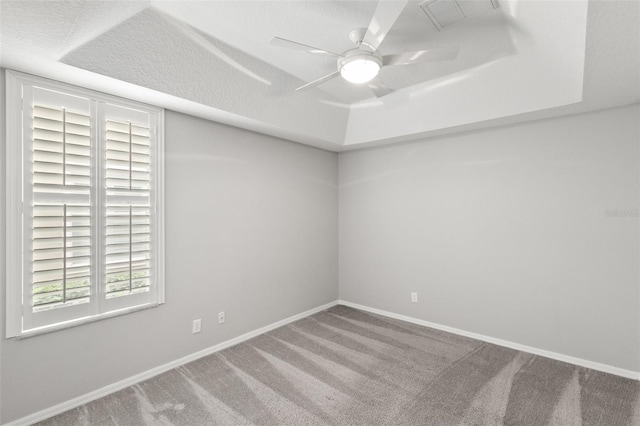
(16, 85)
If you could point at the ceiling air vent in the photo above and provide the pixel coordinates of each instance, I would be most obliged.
(444, 13)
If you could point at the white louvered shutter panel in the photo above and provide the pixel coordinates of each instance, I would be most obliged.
(128, 208)
(59, 200)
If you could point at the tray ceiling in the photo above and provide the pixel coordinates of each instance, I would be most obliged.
(523, 60)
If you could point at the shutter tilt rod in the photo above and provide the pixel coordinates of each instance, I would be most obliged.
(130, 217)
(64, 253)
(64, 146)
(130, 247)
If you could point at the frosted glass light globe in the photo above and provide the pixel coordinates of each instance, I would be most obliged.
(360, 69)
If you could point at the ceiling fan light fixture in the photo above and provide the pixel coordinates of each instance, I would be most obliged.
(360, 68)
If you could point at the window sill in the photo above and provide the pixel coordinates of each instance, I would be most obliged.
(81, 321)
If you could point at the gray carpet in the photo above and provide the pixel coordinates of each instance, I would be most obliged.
(344, 366)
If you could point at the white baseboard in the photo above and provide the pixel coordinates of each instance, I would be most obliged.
(529, 349)
(122, 384)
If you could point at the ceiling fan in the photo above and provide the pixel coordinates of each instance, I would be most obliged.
(362, 64)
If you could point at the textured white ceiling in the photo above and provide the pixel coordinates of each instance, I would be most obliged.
(525, 60)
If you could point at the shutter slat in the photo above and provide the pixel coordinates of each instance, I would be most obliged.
(55, 264)
(46, 112)
(115, 210)
(124, 220)
(56, 179)
(45, 123)
(59, 221)
(58, 210)
(135, 264)
(113, 157)
(60, 189)
(124, 174)
(128, 183)
(123, 288)
(136, 281)
(58, 242)
(122, 145)
(71, 169)
(124, 239)
(138, 257)
(58, 253)
(80, 119)
(48, 233)
(54, 113)
(140, 282)
(124, 164)
(53, 285)
(58, 147)
(123, 127)
(123, 267)
(78, 136)
(124, 248)
(74, 293)
(117, 273)
(70, 138)
(121, 230)
(135, 197)
(54, 157)
(72, 273)
(122, 274)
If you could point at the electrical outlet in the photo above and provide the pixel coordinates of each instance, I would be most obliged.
(221, 318)
(414, 297)
(197, 324)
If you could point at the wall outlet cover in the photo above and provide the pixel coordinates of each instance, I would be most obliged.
(197, 326)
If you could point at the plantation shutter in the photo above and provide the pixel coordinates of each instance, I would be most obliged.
(85, 205)
(59, 203)
(128, 207)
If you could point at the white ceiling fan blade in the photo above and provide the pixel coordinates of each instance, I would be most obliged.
(428, 55)
(378, 87)
(385, 16)
(289, 44)
(321, 80)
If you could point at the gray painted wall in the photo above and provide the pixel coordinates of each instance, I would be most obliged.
(251, 229)
(504, 232)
